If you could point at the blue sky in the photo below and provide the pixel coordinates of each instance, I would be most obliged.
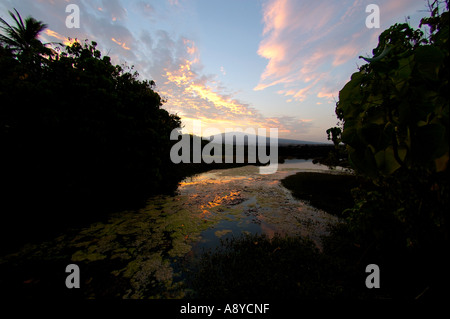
(234, 63)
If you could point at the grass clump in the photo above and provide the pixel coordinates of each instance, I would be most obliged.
(254, 266)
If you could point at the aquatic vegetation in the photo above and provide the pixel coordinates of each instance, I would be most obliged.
(147, 253)
(221, 233)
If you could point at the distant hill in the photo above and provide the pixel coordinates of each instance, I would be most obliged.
(241, 138)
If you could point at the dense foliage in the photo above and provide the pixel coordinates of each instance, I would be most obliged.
(256, 267)
(75, 128)
(329, 192)
(395, 115)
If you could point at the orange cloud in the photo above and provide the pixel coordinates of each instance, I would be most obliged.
(122, 44)
(58, 36)
(185, 78)
(218, 100)
(190, 46)
(197, 97)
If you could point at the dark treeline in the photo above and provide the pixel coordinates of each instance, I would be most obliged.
(307, 151)
(319, 152)
(78, 134)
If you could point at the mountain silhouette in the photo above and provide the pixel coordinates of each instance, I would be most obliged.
(241, 138)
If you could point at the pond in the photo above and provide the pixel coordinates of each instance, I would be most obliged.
(241, 200)
(144, 253)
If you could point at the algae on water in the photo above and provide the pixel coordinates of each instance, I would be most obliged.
(142, 253)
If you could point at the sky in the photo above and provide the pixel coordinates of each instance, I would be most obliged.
(233, 63)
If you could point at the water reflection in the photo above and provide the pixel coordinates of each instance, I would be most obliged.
(240, 200)
(145, 251)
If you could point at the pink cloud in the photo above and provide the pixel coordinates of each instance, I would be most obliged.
(345, 53)
(308, 40)
(327, 94)
(275, 16)
(289, 27)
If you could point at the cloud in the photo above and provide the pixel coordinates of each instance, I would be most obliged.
(182, 79)
(146, 8)
(114, 9)
(103, 21)
(303, 40)
(56, 35)
(290, 29)
(122, 44)
(275, 16)
(345, 53)
(193, 95)
(174, 2)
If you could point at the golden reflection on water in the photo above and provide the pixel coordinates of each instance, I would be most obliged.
(256, 203)
(218, 201)
(197, 182)
(206, 180)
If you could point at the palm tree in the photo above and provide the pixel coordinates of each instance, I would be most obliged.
(22, 39)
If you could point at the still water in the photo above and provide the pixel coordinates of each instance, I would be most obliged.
(241, 200)
(143, 252)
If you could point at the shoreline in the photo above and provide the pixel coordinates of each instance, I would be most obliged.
(327, 191)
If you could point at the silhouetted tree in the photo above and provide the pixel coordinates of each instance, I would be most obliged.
(395, 114)
(22, 39)
(76, 131)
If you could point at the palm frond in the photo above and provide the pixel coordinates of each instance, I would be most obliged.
(24, 35)
(9, 30)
